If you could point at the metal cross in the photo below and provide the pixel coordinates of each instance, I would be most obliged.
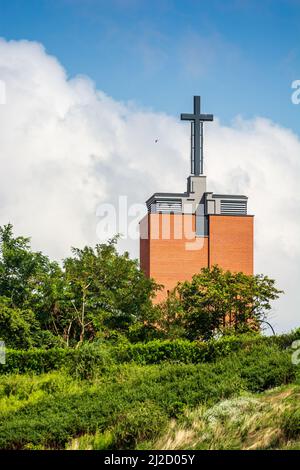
(197, 136)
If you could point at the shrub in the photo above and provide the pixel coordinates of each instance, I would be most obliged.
(215, 298)
(264, 367)
(95, 357)
(145, 422)
(134, 401)
(17, 326)
(81, 363)
(291, 423)
(35, 360)
(185, 351)
(88, 361)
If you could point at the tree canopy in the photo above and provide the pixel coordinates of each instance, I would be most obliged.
(99, 294)
(217, 300)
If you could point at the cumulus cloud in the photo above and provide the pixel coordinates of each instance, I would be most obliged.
(261, 159)
(66, 148)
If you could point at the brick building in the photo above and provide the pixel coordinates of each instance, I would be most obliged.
(184, 232)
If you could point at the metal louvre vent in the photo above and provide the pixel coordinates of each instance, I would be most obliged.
(166, 207)
(234, 207)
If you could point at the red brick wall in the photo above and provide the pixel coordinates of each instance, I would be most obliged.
(145, 246)
(174, 253)
(173, 256)
(231, 242)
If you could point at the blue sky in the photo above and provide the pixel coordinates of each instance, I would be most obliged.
(240, 55)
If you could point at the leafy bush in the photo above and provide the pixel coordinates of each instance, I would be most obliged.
(129, 400)
(157, 351)
(97, 441)
(17, 326)
(215, 299)
(276, 370)
(139, 424)
(89, 359)
(35, 360)
(185, 351)
(81, 363)
(45, 339)
(114, 404)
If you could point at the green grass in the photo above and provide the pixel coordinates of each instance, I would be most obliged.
(269, 420)
(132, 405)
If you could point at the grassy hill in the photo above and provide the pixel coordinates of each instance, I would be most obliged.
(247, 422)
(244, 398)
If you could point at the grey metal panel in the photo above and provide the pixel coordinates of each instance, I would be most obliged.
(168, 195)
(201, 226)
(233, 206)
(211, 207)
(155, 196)
(201, 219)
(166, 206)
(229, 196)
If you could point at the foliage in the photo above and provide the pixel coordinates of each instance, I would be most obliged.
(214, 303)
(55, 408)
(269, 420)
(17, 326)
(291, 423)
(215, 299)
(98, 293)
(138, 424)
(99, 366)
(108, 291)
(185, 351)
(89, 361)
(20, 269)
(35, 360)
(96, 290)
(95, 358)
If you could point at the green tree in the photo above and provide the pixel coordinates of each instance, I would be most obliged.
(18, 327)
(105, 291)
(52, 302)
(95, 291)
(215, 300)
(163, 321)
(20, 268)
(29, 282)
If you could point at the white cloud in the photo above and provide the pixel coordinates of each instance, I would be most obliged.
(261, 159)
(66, 147)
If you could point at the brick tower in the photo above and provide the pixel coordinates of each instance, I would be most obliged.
(184, 232)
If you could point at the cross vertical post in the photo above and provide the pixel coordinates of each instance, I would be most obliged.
(197, 120)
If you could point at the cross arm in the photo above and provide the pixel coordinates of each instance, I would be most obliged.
(206, 117)
(187, 117)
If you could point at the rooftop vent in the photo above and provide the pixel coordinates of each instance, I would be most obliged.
(166, 206)
(233, 207)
